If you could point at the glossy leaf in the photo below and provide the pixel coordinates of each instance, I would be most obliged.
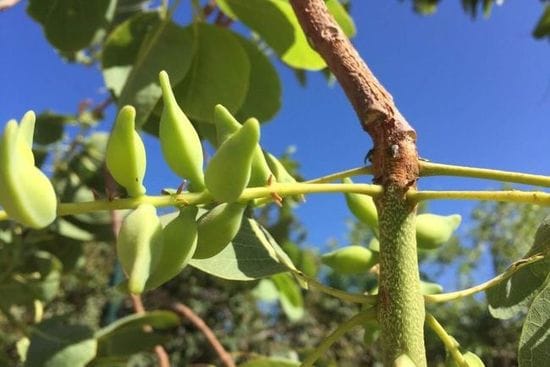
(70, 25)
(135, 53)
(56, 343)
(534, 343)
(252, 254)
(275, 22)
(219, 74)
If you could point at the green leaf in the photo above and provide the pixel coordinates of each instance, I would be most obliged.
(534, 343)
(290, 296)
(425, 7)
(56, 343)
(37, 278)
(514, 295)
(135, 53)
(340, 14)
(263, 98)
(276, 24)
(127, 336)
(252, 254)
(266, 291)
(219, 74)
(70, 25)
(542, 29)
(270, 362)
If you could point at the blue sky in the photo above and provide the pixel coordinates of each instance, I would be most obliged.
(477, 92)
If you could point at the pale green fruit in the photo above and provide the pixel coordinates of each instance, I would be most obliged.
(228, 172)
(404, 361)
(179, 245)
(125, 156)
(363, 207)
(217, 228)
(226, 125)
(139, 246)
(350, 259)
(471, 359)
(279, 171)
(434, 230)
(180, 143)
(430, 288)
(26, 194)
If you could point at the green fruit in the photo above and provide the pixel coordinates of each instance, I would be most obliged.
(125, 155)
(229, 169)
(279, 171)
(139, 246)
(26, 194)
(471, 359)
(180, 143)
(433, 230)
(350, 259)
(430, 288)
(179, 245)
(404, 361)
(217, 228)
(363, 207)
(226, 125)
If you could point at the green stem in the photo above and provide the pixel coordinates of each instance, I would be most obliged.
(450, 343)
(437, 169)
(343, 328)
(400, 303)
(344, 296)
(342, 174)
(514, 196)
(451, 296)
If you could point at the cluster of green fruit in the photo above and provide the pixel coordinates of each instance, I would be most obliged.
(431, 232)
(150, 254)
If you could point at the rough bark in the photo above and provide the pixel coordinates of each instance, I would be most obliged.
(395, 167)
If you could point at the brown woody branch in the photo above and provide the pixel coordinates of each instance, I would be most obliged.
(199, 323)
(394, 156)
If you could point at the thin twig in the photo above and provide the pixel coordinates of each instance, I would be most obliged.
(199, 323)
(445, 297)
(450, 343)
(438, 169)
(357, 320)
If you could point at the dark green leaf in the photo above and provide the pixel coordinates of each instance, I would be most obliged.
(514, 295)
(542, 29)
(135, 53)
(252, 254)
(534, 343)
(219, 74)
(56, 343)
(127, 336)
(263, 98)
(49, 127)
(37, 277)
(70, 25)
(276, 23)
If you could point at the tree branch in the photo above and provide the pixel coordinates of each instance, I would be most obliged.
(199, 323)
